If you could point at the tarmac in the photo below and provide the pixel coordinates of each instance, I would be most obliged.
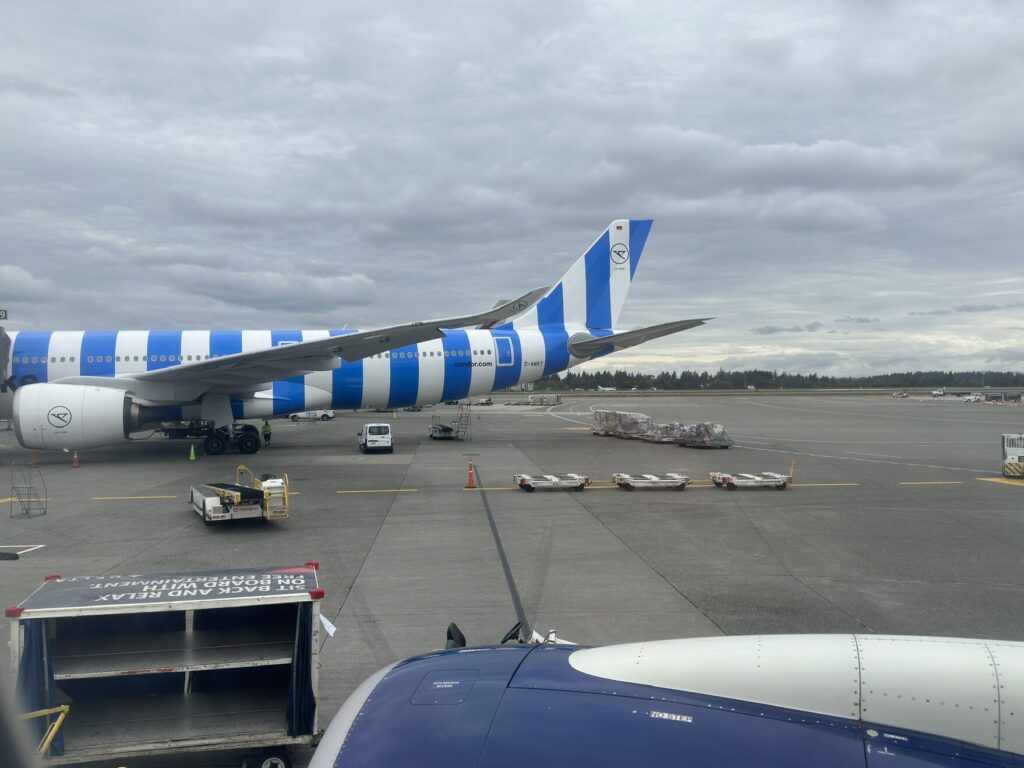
(897, 522)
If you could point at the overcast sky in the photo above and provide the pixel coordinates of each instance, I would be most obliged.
(840, 184)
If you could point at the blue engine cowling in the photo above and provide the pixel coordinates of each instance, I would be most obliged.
(509, 706)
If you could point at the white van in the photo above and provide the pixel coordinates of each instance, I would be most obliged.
(376, 437)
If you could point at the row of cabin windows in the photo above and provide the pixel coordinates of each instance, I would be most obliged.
(111, 358)
(446, 353)
(189, 358)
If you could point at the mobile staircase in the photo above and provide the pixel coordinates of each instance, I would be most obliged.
(26, 482)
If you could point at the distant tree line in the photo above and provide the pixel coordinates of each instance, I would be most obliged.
(775, 380)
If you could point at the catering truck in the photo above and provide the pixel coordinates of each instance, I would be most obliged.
(168, 663)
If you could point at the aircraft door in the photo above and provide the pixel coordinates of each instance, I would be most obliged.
(504, 353)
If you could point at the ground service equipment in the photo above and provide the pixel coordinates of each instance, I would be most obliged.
(266, 498)
(672, 480)
(564, 482)
(1013, 455)
(734, 480)
(164, 664)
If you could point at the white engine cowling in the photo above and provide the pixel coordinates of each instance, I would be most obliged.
(55, 416)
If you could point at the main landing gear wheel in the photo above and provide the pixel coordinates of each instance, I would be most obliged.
(248, 442)
(215, 445)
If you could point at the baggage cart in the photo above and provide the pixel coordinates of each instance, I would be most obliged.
(734, 480)
(564, 482)
(171, 663)
(672, 480)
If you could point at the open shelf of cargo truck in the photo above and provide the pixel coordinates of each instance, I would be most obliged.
(161, 664)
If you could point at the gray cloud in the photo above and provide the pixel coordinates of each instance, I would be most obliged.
(971, 309)
(859, 319)
(768, 330)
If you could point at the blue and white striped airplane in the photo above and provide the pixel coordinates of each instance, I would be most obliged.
(81, 389)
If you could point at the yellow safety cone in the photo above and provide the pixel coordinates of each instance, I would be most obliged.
(192, 452)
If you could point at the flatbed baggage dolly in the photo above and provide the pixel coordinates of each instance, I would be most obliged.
(735, 480)
(247, 497)
(160, 665)
(672, 480)
(569, 481)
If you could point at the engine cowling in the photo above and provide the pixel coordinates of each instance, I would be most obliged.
(56, 416)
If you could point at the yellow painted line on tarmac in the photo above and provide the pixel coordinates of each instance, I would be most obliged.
(4, 501)
(1002, 480)
(933, 482)
(823, 485)
(129, 498)
(383, 490)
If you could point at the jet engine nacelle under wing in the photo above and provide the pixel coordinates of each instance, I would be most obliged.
(72, 416)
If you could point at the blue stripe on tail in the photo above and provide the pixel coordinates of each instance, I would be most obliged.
(599, 272)
(638, 232)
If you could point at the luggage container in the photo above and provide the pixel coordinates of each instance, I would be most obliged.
(164, 664)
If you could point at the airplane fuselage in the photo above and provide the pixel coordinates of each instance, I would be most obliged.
(465, 363)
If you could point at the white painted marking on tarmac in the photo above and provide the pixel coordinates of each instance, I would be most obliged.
(867, 461)
(22, 549)
(551, 412)
(879, 455)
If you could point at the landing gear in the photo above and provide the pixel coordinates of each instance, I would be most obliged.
(245, 438)
(247, 442)
(215, 444)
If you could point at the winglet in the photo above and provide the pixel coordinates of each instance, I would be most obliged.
(503, 312)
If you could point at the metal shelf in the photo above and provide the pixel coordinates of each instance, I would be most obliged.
(159, 652)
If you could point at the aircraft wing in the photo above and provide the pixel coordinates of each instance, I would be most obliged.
(248, 371)
(584, 345)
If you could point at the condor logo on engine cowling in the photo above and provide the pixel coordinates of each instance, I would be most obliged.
(59, 416)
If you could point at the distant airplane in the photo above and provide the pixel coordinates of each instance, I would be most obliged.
(606, 389)
(81, 389)
(772, 701)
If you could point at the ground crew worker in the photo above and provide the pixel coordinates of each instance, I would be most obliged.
(266, 432)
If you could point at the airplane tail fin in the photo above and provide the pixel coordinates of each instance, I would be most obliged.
(591, 294)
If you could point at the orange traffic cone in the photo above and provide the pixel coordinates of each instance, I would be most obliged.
(74, 461)
(34, 464)
(472, 479)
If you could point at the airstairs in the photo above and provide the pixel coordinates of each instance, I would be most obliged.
(26, 484)
(464, 423)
